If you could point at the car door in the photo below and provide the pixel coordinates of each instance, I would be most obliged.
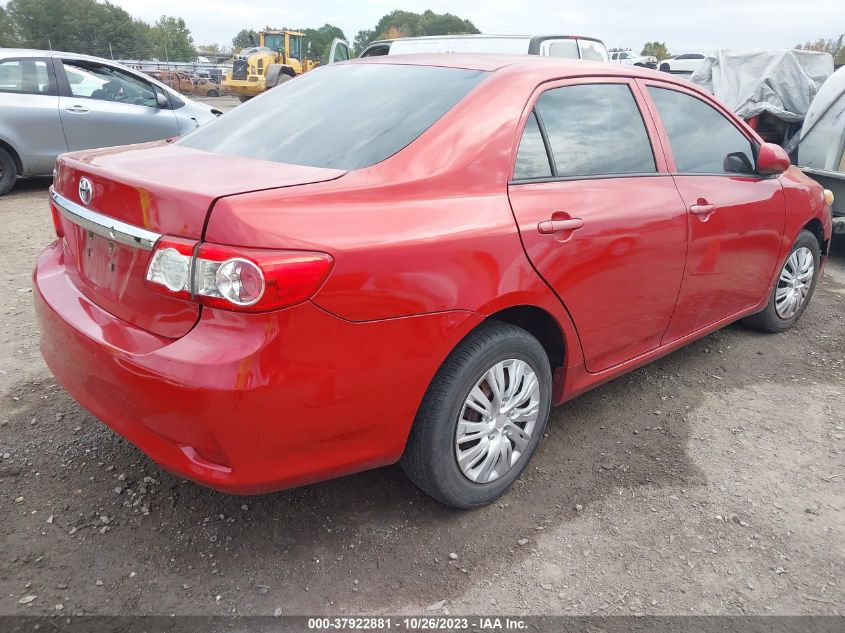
(599, 216)
(30, 120)
(736, 217)
(102, 105)
(339, 51)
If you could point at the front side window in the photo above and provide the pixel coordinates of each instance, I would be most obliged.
(703, 141)
(339, 116)
(107, 83)
(595, 129)
(26, 76)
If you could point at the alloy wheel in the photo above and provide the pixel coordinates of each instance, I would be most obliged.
(496, 422)
(794, 283)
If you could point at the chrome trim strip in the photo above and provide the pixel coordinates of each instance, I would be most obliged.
(104, 225)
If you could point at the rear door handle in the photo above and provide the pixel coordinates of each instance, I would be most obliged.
(702, 209)
(550, 227)
(77, 109)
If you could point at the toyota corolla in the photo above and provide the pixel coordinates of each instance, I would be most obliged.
(414, 263)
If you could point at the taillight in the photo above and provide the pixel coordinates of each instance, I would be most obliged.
(57, 220)
(252, 279)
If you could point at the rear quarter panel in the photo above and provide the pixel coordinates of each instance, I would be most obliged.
(427, 230)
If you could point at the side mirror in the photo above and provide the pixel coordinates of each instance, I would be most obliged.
(162, 100)
(772, 159)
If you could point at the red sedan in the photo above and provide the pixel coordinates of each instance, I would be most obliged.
(412, 259)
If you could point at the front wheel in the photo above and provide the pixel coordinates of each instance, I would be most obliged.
(794, 288)
(481, 418)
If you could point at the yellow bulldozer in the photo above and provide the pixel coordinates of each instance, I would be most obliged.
(277, 57)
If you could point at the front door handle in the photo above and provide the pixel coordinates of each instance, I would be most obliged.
(77, 109)
(550, 227)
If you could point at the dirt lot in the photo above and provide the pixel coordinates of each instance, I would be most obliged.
(709, 482)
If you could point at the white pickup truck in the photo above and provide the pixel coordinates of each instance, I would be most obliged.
(628, 58)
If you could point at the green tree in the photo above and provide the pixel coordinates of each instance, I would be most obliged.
(409, 24)
(362, 40)
(79, 26)
(834, 46)
(321, 39)
(172, 40)
(244, 39)
(656, 49)
(7, 37)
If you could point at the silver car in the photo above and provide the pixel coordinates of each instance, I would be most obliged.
(53, 102)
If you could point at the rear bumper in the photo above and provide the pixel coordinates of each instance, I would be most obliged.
(246, 403)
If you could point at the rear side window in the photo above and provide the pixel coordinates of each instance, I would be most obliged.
(26, 76)
(532, 161)
(702, 139)
(595, 129)
(345, 116)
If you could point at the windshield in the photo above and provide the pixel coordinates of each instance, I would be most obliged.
(344, 116)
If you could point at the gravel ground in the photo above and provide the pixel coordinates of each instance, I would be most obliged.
(709, 482)
(224, 104)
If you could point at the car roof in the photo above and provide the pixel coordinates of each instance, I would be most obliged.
(491, 62)
(6, 53)
(489, 36)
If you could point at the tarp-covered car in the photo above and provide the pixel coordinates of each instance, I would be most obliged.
(771, 89)
(821, 150)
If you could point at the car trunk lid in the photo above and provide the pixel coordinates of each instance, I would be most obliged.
(136, 195)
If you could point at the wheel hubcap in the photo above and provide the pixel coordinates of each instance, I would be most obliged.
(497, 420)
(794, 283)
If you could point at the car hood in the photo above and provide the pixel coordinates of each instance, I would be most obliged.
(194, 114)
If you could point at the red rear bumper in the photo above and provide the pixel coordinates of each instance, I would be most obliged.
(246, 403)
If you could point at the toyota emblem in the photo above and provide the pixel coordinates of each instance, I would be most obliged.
(86, 190)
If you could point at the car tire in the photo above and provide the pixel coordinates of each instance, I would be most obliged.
(8, 172)
(244, 98)
(430, 459)
(664, 68)
(213, 93)
(782, 311)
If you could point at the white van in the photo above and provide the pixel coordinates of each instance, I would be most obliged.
(566, 46)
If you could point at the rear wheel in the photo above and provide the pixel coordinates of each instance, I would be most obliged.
(794, 288)
(482, 417)
(664, 68)
(244, 98)
(8, 171)
(213, 93)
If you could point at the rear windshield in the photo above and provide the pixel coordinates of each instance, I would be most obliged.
(341, 116)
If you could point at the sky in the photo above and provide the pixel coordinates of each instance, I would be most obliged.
(701, 25)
